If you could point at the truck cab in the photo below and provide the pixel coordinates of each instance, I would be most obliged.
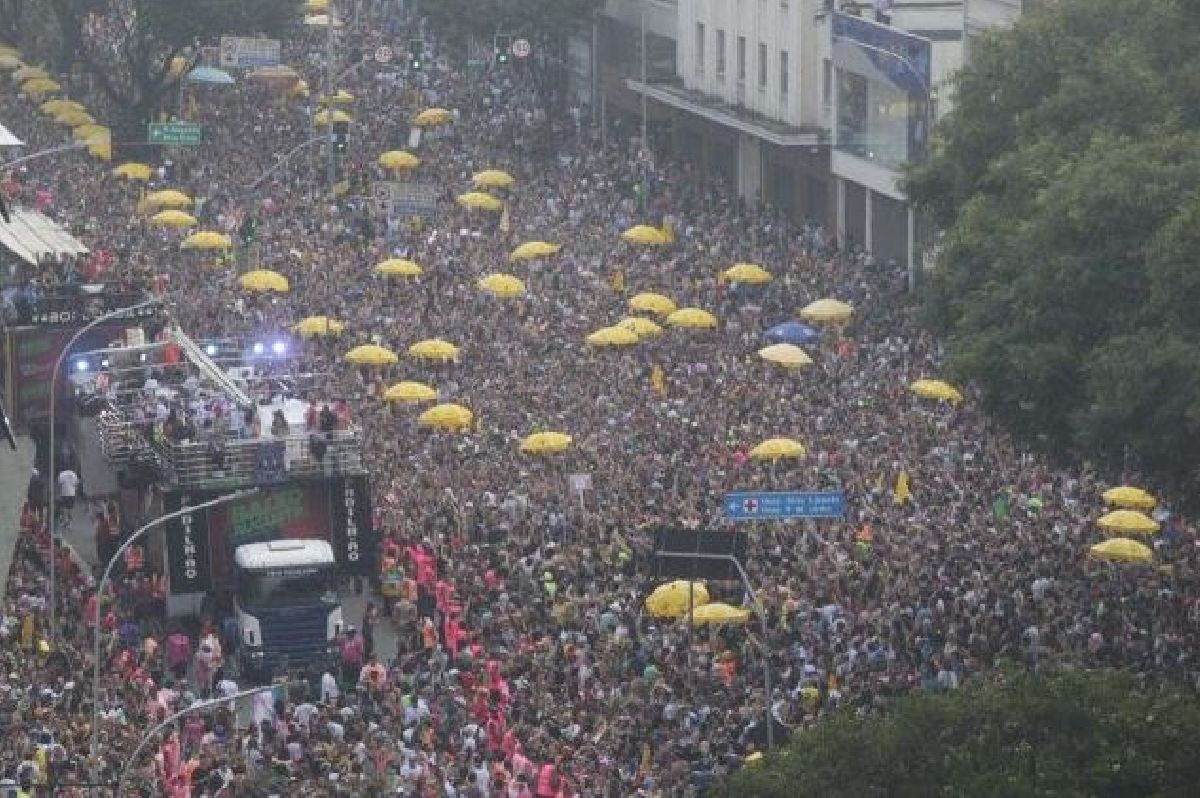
(288, 610)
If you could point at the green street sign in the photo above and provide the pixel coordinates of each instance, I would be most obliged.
(186, 133)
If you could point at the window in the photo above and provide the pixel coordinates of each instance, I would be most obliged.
(783, 73)
(741, 59)
(720, 53)
(699, 46)
(827, 85)
(762, 65)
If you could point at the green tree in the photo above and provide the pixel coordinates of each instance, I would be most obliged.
(1067, 179)
(1070, 735)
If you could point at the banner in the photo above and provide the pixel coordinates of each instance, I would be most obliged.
(242, 52)
(352, 538)
(189, 566)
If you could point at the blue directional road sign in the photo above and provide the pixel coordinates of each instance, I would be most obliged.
(782, 505)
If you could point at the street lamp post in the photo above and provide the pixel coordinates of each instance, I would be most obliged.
(136, 536)
(199, 706)
(330, 67)
(52, 478)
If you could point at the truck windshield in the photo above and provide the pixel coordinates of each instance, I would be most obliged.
(286, 587)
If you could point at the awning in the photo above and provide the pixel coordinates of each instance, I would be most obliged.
(7, 139)
(777, 133)
(32, 235)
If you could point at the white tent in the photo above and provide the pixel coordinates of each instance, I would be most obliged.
(32, 235)
(7, 139)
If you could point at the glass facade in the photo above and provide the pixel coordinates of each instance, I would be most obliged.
(878, 121)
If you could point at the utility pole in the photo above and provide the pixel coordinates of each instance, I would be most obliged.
(645, 145)
(330, 71)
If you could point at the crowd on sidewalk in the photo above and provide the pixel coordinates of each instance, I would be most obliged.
(525, 664)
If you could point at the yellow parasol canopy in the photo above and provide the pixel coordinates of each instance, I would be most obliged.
(777, 449)
(671, 600)
(58, 105)
(645, 234)
(936, 389)
(40, 86)
(477, 200)
(447, 416)
(532, 250)
(502, 286)
(434, 349)
(73, 117)
(322, 118)
(168, 198)
(412, 392)
(786, 355)
(207, 239)
(316, 6)
(398, 267)
(100, 148)
(371, 355)
(692, 318)
(431, 117)
(132, 171)
(91, 133)
(30, 73)
(653, 303)
(10, 61)
(173, 218)
(1127, 522)
(264, 280)
(492, 178)
(641, 327)
(747, 273)
(612, 336)
(399, 160)
(827, 311)
(1133, 498)
(1122, 550)
(718, 613)
(546, 443)
(317, 326)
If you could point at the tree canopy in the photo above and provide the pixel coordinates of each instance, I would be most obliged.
(1070, 735)
(1067, 180)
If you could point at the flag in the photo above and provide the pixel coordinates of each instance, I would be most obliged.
(658, 380)
(900, 493)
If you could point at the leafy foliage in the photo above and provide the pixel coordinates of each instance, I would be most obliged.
(1068, 734)
(1067, 178)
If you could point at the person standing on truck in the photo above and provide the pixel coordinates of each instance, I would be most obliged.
(352, 655)
(68, 486)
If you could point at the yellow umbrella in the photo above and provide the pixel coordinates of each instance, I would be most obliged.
(73, 117)
(264, 280)
(342, 97)
(133, 171)
(641, 327)
(322, 118)
(371, 355)
(1127, 522)
(645, 234)
(40, 86)
(448, 416)
(58, 105)
(434, 349)
(91, 133)
(777, 449)
(718, 613)
(412, 392)
(1122, 550)
(492, 178)
(476, 200)
(315, 326)
(398, 267)
(8, 49)
(207, 239)
(316, 6)
(101, 149)
(532, 250)
(653, 303)
(502, 286)
(432, 116)
(398, 160)
(936, 389)
(9, 61)
(173, 218)
(692, 318)
(177, 66)
(612, 336)
(168, 198)
(1133, 498)
(787, 355)
(747, 273)
(671, 600)
(30, 73)
(827, 311)
(546, 443)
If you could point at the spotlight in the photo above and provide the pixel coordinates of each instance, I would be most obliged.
(142, 357)
(104, 363)
(81, 365)
(279, 347)
(211, 350)
(259, 348)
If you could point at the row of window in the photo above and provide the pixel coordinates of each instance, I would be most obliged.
(763, 59)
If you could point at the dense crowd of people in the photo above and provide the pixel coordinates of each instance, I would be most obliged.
(524, 664)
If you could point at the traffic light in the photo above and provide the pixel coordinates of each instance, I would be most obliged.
(416, 53)
(502, 48)
(341, 137)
